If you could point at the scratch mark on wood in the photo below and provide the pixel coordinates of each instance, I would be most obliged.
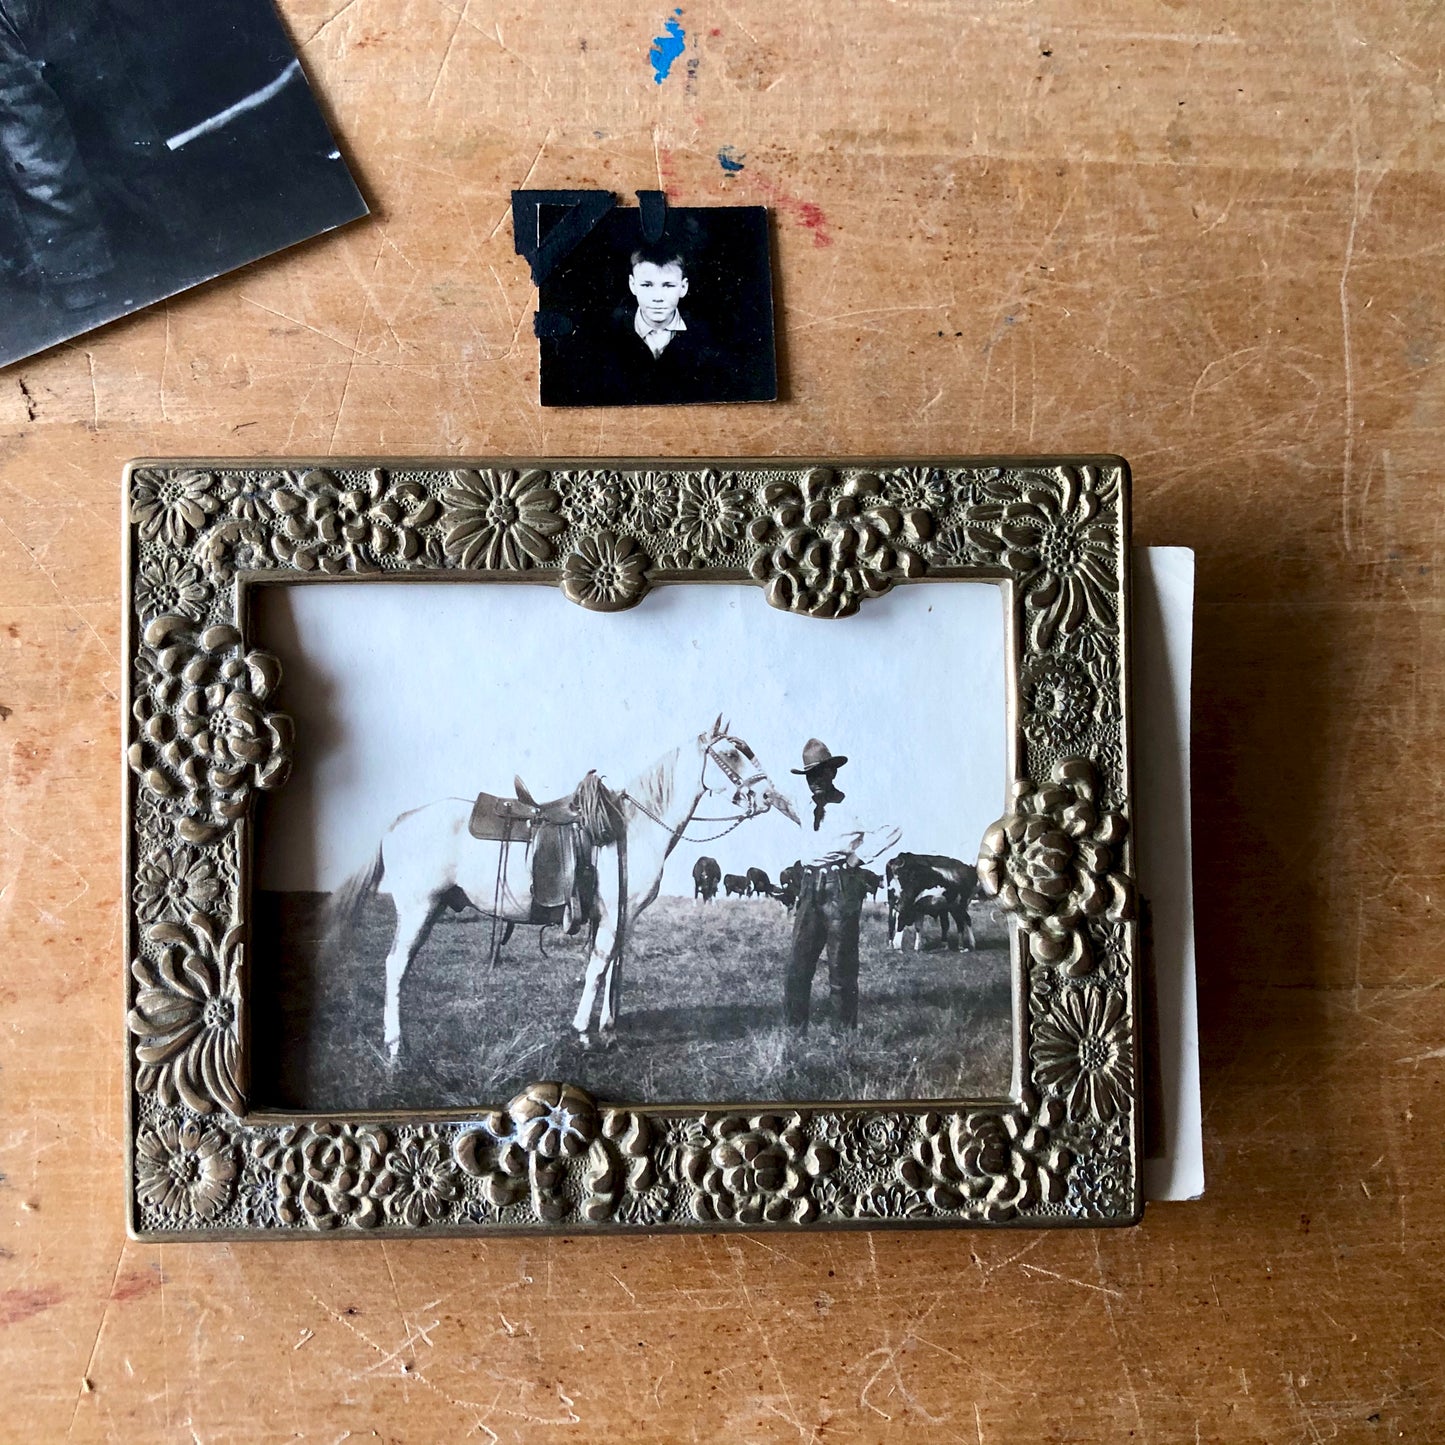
(1069, 1279)
(94, 394)
(165, 364)
(733, 19)
(297, 321)
(95, 1343)
(325, 24)
(1419, 1059)
(446, 54)
(64, 600)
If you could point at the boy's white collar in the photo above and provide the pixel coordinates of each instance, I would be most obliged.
(644, 328)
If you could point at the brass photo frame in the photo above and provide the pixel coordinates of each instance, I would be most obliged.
(204, 740)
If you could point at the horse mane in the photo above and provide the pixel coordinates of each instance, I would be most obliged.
(654, 787)
(599, 810)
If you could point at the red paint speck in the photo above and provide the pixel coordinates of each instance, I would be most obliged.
(808, 214)
(812, 217)
(136, 1283)
(21, 1304)
(715, 31)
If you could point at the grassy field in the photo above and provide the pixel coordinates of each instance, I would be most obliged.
(701, 1014)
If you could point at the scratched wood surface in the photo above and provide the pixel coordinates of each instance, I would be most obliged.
(1203, 235)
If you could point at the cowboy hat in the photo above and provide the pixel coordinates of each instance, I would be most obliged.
(816, 755)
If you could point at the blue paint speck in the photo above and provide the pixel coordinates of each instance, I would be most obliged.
(730, 160)
(666, 48)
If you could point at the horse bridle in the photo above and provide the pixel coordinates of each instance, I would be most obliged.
(739, 782)
(728, 771)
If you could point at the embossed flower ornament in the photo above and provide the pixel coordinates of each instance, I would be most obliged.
(991, 1162)
(871, 1140)
(605, 573)
(758, 1170)
(327, 1175)
(1060, 699)
(594, 499)
(710, 513)
(654, 500)
(171, 507)
(258, 497)
(372, 520)
(168, 584)
(500, 519)
(424, 1181)
(1083, 1050)
(913, 488)
(831, 544)
(1051, 861)
(528, 1145)
(183, 1168)
(186, 1013)
(553, 1120)
(205, 737)
(174, 883)
(1055, 531)
(225, 722)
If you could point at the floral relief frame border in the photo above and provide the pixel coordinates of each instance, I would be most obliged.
(820, 538)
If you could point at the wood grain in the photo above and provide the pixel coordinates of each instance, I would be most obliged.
(1204, 235)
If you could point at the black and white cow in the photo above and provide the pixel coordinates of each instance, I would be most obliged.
(734, 884)
(928, 885)
(706, 875)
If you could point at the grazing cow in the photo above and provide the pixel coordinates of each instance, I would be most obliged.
(790, 882)
(871, 880)
(734, 884)
(706, 875)
(928, 885)
(760, 885)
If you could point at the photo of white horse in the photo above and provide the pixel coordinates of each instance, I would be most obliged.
(483, 870)
(427, 861)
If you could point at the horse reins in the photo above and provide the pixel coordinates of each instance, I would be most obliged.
(734, 777)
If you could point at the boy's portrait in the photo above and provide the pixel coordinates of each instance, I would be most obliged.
(659, 281)
(686, 317)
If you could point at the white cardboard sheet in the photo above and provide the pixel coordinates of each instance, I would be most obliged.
(1163, 639)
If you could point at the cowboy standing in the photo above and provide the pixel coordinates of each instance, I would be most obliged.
(831, 891)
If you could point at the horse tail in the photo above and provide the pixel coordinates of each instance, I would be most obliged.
(347, 900)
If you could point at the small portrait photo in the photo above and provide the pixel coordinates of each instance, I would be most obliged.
(145, 148)
(686, 316)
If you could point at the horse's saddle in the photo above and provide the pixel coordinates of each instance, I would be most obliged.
(563, 876)
(518, 819)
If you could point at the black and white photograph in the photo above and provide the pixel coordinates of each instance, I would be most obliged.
(685, 316)
(147, 148)
(700, 851)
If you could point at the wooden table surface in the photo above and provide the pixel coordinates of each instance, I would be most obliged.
(1207, 236)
